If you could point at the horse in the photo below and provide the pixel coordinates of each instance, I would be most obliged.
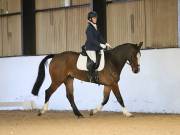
(62, 69)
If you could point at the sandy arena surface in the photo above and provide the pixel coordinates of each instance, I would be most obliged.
(103, 123)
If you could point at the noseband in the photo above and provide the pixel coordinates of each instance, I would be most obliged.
(130, 63)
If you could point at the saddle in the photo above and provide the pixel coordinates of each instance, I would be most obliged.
(89, 61)
(84, 62)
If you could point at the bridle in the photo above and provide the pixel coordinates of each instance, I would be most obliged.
(130, 63)
(127, 62)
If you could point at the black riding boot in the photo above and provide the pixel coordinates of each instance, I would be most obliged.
(92, 73)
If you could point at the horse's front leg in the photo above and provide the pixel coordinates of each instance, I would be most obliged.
(70, 96)
(107, 91)
(116, 91)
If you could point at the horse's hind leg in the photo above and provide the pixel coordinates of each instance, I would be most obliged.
(116, 91)
(107, 91)
(48, 94)
(70, 96)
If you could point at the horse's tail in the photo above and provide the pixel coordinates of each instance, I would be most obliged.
(41, 75)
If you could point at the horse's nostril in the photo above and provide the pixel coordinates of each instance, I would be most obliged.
(136, 70)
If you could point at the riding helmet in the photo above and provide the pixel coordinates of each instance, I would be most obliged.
(91, 15)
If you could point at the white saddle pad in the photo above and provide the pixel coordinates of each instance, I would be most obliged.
(82, 62)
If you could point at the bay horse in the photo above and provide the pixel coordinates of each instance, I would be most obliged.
(62, 69)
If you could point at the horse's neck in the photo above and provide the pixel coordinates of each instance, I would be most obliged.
(121, 60)
(118, 59)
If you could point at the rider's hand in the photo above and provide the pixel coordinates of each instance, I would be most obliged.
(108, 45)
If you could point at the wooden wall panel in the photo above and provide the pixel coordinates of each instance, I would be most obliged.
(42, 32)
(5, 47)
(11, 27)
(117, 24)
(60, 35)
(1, 37)
(44, 4)
(137, 21)
(162, 23)
(79, 2)
(14, 6)
(125, 22)
(153, 21)
(50, 32)
(61, 30)
(1, 6)
(10, 6)
(76, 26)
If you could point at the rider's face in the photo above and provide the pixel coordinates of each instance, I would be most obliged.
(94, 20)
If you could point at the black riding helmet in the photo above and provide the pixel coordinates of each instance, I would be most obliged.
(91, 15)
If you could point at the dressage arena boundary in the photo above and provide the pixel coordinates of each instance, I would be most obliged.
(155, 89)
(26, 105)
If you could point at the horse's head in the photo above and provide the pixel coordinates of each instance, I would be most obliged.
(134, 57)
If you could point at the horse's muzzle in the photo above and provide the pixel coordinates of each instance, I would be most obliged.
(136, 70)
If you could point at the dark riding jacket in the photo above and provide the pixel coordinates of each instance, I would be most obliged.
(94, 38)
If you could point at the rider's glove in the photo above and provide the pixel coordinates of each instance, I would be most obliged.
(103, 46)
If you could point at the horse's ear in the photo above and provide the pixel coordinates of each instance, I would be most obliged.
(140, 45)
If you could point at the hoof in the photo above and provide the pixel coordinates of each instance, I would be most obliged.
(131, 115)
(80, 116)
(39, 114)
(91, 113)
(128, 115)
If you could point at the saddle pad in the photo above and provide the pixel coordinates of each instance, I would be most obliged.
(82, 62)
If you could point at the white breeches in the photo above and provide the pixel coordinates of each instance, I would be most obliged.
(92, 55)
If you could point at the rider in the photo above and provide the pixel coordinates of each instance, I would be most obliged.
(95, 42)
